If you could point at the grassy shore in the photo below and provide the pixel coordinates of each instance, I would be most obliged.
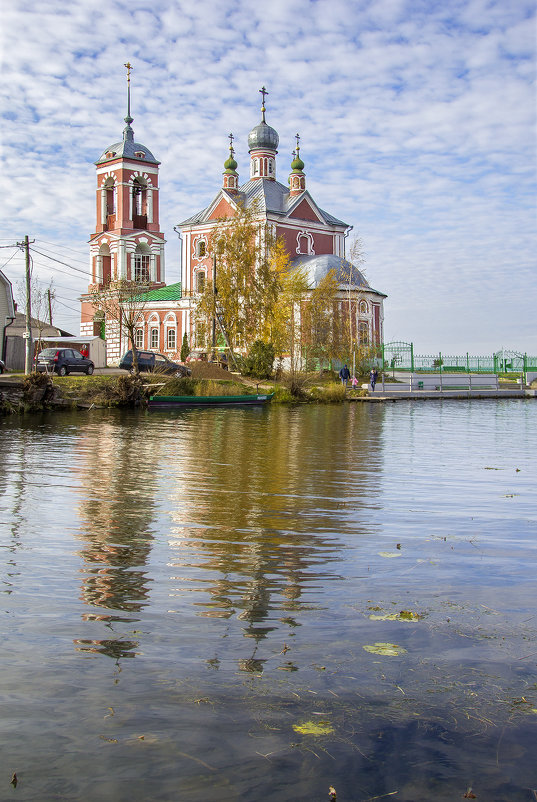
(40, 391)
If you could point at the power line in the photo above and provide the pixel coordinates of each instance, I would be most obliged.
(82, 261)
(68, 307)
(53, 259)
(10, 258)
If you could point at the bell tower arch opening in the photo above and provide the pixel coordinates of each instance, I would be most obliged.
(106, 264)
(139, 203)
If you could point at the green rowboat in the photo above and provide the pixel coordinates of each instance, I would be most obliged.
(175, 401)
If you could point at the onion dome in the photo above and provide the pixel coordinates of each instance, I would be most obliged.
(297, 165)
(230, 164)
(263, 136)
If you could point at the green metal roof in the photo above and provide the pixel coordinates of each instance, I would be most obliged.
(173, 292)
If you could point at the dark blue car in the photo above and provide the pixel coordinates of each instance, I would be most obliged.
(63, 361)
(151, 362)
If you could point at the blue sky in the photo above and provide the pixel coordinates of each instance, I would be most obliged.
(417, 123)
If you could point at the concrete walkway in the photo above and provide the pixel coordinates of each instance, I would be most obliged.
(404, 394)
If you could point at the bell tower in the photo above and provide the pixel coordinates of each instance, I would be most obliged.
(127, 243)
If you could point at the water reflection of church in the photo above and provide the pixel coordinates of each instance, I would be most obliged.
(190, 514)
(117, 535)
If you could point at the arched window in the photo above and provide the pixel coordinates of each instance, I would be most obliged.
(201, 248)
(363, 307)
(139, 203)
(171, 339)
(138, 339)
(153, 338)
(106, 264)
(305, 243)
(109, 189)
(142, 259)
(364, 332)
(200, 281)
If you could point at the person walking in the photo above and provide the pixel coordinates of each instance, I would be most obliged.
(344, 375)
(373, 379)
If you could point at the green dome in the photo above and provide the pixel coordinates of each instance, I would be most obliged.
(297, 165)
(230, 165)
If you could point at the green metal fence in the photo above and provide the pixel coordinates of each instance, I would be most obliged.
(400, 356)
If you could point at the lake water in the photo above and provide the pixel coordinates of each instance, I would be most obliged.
(187, 599)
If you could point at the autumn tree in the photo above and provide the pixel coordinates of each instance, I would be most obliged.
(123, 303)
(321, 322)
(286, 324)
(245, 286)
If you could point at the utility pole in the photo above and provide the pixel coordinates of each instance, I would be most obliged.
(28, 333)
(49, 307)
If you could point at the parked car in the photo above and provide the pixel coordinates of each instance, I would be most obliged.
(63, 361)
(197, 356)
(202, 356)
(2, 367)
(151, 362)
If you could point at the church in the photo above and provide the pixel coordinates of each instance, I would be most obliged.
(128, 244)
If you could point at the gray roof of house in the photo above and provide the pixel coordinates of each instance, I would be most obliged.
(270, 196)
(128, 148)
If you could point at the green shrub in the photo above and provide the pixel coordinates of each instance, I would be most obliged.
(185, 348)
(259, 361)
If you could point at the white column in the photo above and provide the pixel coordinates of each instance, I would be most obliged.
(162, 276)
(149, 204)
(131, 198)
(103, 206)
(122, 260)
(152, 267)
(98, 268)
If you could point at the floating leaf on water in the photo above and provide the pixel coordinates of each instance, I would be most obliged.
(316, 728)
(533, 710)
(389, 554)
(404, 615)
(386, 649)
(408, 615)
(332, 795)
(14, 780)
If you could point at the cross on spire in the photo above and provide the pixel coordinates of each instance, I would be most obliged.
(264, 92)
(297, 137)
(231, 138)
(128, 118)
